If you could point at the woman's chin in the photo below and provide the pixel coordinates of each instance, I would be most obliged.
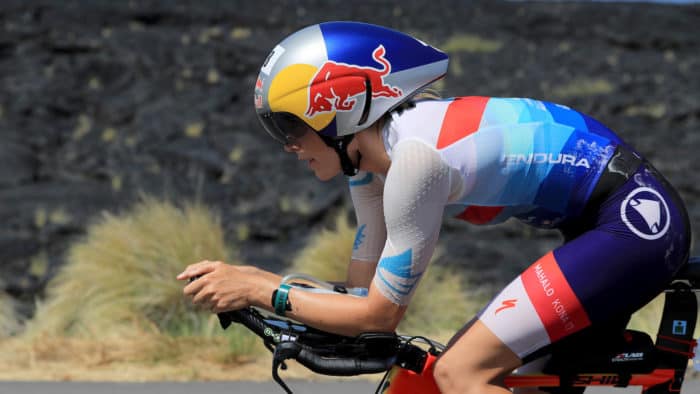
(325, 175)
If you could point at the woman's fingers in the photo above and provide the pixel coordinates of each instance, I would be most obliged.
(214, 290)
(219, 287)
(197, 269)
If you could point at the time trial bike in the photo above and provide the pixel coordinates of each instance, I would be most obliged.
(604, 357)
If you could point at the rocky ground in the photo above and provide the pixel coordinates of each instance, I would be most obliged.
(103, 101)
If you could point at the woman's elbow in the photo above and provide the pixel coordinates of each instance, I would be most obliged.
(383, 319)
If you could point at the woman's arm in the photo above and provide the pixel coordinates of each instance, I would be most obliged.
(367, 193)
(360, 273)
(223, 287)
(417, 187)
(345, 314)
(415, 194)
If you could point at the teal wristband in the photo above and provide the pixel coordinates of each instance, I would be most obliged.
(281, 299)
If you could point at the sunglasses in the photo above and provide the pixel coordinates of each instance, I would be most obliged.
(284, 127)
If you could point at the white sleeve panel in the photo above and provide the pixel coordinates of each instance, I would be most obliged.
(366, 191)
(415, 194)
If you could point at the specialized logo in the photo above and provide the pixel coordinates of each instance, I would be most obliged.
(645, 213)
(348, 81)
(506, 304)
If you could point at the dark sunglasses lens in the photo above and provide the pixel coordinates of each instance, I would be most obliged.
(283, 126)
(271, 128)
(292, 126)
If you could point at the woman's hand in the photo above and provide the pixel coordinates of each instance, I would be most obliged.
(223, 287)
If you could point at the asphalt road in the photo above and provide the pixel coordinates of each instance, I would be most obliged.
(299, 387)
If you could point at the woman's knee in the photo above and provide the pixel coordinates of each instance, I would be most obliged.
(447, 375)
(475, 359)
(455, 373)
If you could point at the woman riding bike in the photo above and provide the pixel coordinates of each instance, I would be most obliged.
(346, 97)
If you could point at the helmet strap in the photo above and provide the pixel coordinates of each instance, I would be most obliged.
(340, 145)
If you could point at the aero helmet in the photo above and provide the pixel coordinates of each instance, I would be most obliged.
(338, 78)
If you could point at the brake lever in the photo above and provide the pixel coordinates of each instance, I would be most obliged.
(283, 351)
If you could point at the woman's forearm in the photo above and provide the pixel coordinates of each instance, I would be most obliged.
(345, 314)
(337, 313)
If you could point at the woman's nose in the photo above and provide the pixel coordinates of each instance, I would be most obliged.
(291, 147)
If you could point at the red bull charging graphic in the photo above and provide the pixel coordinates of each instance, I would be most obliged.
(349, 81)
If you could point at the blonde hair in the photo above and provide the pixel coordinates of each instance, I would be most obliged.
(427, 94)
(421, 95)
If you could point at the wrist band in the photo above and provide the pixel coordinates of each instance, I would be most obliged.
(282, 304)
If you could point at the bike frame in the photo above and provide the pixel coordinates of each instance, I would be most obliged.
(659, 367)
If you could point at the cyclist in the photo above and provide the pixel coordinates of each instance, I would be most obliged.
(345, 97)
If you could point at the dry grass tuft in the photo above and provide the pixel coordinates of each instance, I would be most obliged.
(328, 253)
(440, 291)
(327, 257)
(123, 274)
(9, 323)
(116, 299)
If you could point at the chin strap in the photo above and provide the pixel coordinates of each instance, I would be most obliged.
(340, 145)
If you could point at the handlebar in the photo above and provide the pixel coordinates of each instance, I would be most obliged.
(321, 352)
(326, 353)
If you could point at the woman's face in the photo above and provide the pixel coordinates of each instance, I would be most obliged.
(320, 157)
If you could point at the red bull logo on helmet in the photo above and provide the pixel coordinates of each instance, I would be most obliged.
(335, 84)
(315, 94)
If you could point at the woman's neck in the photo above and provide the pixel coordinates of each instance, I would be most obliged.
(369, 144)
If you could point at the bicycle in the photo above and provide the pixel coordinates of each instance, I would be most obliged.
(627, 359)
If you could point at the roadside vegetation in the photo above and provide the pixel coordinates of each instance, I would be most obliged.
(9, 322)
(116, 299)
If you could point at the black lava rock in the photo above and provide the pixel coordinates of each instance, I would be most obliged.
(101, 101)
